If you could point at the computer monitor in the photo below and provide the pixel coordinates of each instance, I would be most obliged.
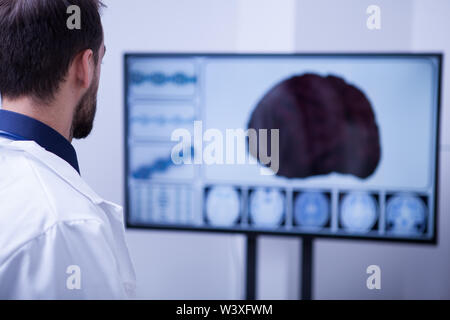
(326, 145)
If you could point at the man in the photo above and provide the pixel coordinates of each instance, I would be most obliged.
(58, 239)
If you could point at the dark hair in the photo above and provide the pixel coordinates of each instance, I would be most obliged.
(37, 47)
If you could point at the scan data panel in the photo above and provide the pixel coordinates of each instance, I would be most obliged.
(327, 145)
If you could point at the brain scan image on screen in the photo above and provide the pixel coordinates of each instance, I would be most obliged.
(223, 206)
(406, 215)
(267, 207)
(358, 212)
(311, 209)
(326, 125)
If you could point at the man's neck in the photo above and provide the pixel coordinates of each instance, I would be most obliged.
(56, 117)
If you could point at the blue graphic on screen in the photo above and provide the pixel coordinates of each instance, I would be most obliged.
(162, 120)
(222, 206)
(158, 120)
(160, 78)
(311, 209)
(406, 215)
(162, 203)
(160, 165)
(166, 79)
(267, 207)
(163, 200)
(358, 212)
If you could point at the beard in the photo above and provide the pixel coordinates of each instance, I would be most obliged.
(83, 119)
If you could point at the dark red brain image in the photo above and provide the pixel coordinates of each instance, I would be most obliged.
(325, 125)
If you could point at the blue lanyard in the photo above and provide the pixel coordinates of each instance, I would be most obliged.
(11, 136)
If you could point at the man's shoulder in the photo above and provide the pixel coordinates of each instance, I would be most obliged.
(34, 199)
(26, 182)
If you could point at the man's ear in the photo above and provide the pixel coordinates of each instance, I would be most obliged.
(84, 68)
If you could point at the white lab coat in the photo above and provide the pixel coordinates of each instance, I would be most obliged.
(58, 238)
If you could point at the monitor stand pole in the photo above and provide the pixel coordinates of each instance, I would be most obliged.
(251, 267)
(306, 275)
(307, 268)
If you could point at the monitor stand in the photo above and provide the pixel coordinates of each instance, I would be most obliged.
(306, 275)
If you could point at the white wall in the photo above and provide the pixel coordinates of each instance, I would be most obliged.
(430, 28)
(204, 266)
(326, 25)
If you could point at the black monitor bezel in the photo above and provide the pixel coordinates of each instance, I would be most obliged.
(215, 230)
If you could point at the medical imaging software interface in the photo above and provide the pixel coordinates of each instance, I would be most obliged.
(326, 145)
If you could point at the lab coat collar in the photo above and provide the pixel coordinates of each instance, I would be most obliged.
(65, 172)
(23, 128)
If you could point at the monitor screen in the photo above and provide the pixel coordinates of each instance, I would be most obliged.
(328, 145)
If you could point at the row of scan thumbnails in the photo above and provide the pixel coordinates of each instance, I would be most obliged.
(405, 214)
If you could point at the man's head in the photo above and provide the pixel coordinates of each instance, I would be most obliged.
(41, 59)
